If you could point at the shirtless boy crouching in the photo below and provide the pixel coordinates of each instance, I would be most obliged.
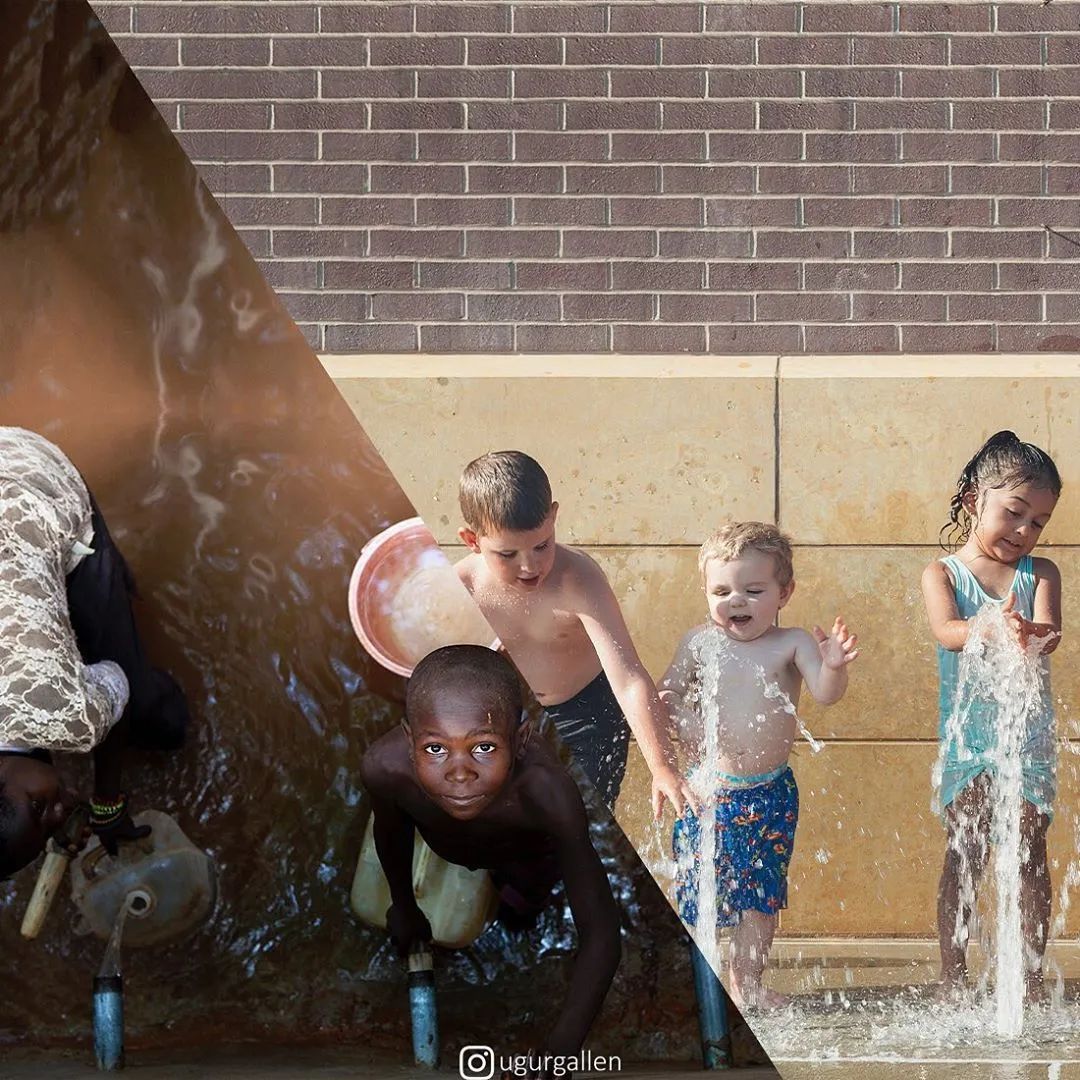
(560, 623)
(742, 674)
(463, 770)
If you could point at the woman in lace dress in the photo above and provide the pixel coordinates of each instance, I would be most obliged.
(73, 676)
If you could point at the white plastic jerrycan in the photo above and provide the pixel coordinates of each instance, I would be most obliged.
(457, 902)
(171, 883)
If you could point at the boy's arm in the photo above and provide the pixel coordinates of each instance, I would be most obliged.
(674, 688)
(559, 810)
(110, 818)
(603, 621)
(822, 661)
(394, 833)
(939, 595)
(107, 698)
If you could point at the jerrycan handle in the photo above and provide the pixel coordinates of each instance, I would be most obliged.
(423, 859)
(89, 862)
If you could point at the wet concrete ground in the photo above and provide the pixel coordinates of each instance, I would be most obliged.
(290, 1063)
(931, 1070)
(863, 1010)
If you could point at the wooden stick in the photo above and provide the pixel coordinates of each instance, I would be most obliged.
(48, 884)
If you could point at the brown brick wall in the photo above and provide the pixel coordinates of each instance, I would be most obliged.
(661, 177)
(58, 84)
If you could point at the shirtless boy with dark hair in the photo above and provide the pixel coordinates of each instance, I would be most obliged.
(560, 623)
(464, 771)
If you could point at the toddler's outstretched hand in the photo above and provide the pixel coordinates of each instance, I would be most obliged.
(838, 648)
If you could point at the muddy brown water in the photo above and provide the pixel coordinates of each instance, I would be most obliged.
(137, 334)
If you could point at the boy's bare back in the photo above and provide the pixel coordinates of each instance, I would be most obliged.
(543, 629)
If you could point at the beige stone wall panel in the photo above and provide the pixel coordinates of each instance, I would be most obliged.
(870, 454)
(658, 456)
(867, 849)
(659, 591)
(892, 692)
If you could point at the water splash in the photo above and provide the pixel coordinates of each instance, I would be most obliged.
(110, 961)
(773, 692)
(711, 647)
(1007, 684)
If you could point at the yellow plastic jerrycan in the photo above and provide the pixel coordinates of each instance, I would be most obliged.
(167, 882)
(457, 902)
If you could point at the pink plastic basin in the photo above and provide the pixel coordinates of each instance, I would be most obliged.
(405, 599)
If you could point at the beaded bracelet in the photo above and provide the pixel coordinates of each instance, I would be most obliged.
(106, 813)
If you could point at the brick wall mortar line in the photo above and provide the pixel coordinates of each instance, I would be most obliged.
(596, 35)
(1065, 133)
(622, 69)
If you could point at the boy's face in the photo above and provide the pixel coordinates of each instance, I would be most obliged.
(462, 751)
(744, 595)
(520, 560)
(1010, 520)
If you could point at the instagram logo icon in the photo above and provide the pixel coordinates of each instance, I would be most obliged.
(476, 1063)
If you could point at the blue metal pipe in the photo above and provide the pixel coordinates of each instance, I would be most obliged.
(425, 1018)
(109, 1022)
(712, 1003)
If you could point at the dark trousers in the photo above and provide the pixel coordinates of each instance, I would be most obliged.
(99, 592)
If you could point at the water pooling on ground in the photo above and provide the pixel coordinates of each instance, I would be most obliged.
(906, 1024)
(139, 336)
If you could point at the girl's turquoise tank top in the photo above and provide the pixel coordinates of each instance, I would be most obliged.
(970, 596)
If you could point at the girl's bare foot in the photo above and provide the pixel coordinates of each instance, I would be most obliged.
(949, 992)
(770, 999)
(1035, 989)
(758, 997)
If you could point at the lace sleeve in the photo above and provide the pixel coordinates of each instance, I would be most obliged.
(48, 697)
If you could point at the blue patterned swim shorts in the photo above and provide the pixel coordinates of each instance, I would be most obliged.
(755, 836)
